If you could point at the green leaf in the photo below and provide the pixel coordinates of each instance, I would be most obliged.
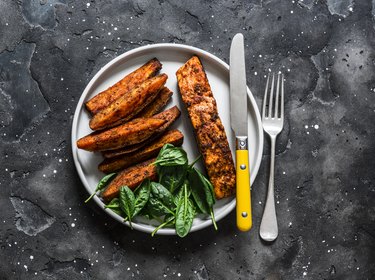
(170, 155)
(185, 214)
(198, 190)
(161, 200)
(195, 161)
(114, 205)
(172, 177)
(142, 195)
(101, 185)
(127, 202)
(168, 221)
(202, 192)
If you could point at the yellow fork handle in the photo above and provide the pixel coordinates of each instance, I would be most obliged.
(243, 196)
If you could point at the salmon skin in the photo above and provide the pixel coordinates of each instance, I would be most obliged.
(212, 141)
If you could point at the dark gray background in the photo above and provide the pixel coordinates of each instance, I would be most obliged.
(50, 49)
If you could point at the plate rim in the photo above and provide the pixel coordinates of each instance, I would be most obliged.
(78, 110)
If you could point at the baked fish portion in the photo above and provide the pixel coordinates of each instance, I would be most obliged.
(212, 141)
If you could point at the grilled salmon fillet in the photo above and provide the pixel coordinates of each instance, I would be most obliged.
(135, 78)
(212, 141)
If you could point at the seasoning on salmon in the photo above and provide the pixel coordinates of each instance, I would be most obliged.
(209, 131)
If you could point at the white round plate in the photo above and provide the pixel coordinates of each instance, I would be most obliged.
(172, 56)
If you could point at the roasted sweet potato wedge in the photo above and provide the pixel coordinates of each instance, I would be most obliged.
(170, 116)
(209, 131)
(135, 78)
(128, 105)
(174, 137)
(155, 107)
(133, 132)
(130, 177)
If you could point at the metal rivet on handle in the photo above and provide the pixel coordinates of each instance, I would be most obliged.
(243, 166)
(244, 214)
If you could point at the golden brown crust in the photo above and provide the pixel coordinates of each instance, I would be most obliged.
(212, 141)
(133, 132)
(174, 137)
(135, 78)
(170, 116)
(130, 177)
(128, 105)
(155, 107)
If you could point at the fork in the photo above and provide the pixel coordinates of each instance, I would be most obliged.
(272, 124)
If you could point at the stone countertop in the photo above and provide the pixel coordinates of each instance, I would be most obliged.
(49, 51)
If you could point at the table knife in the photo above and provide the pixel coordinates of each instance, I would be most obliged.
(238, 119)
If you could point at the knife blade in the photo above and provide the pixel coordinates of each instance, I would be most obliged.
(238, 118)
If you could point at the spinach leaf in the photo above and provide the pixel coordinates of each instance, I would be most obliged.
(170, 155)
(142, 195)
(185, 214)
(127, 203)
(114, 205)
(172, 177)
(101, 185)
(203, 193)
(161, 200)
(168, 221)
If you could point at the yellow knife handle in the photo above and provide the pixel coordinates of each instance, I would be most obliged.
(243, 196)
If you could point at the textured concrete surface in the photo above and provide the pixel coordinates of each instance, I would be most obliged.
(50, 49)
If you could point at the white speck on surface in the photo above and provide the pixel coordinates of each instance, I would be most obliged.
(284, 172)
(55, 171)
(179, 274)
(25, 266)
(304, 273)
(31, 257)
(255, 73)
(291, 12)
(306, 126)
(260, 202)
(88, 5)
(73, 225)
(316, 126)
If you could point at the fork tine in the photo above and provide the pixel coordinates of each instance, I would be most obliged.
(282, 97)
(271, 96)
(277, 96)
(265, 98)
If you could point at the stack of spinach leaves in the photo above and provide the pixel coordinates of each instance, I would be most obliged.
(181, 193)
